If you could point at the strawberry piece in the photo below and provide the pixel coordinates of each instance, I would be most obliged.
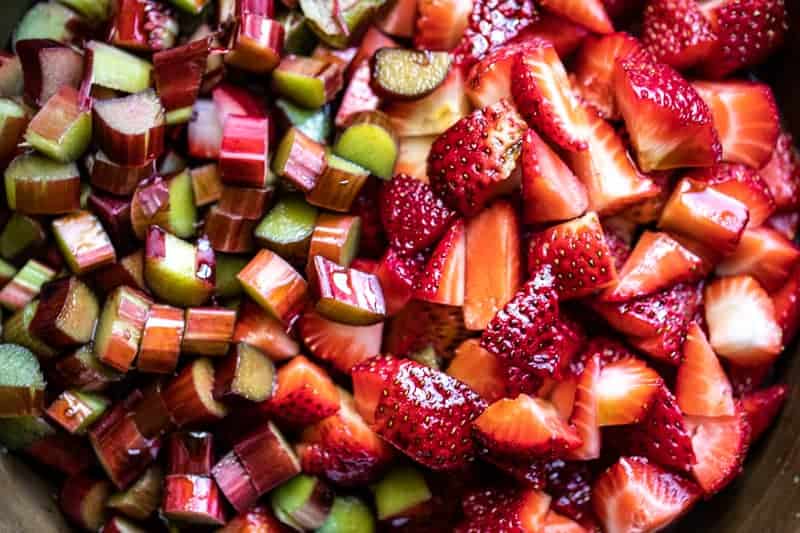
(489, 80)
(782, 173)
(578, 255)
(397, 273)
(701, 386)
(607, 350)
(422, 412)
(657, 262)
(504, 509)
(742, 183)
(530, 473)
(493, 23)
(542, 93)
(677, 33)
(606, 169)
(479, 369)
(746, 118)
(720, 446)
(556, 523)
(594, 70)
(669, 124)
(741, 320)
(625, 391)
(637, 495)
(412, 157)
(434, 113)
(585, 415)
(366, 207)
(762, 407)
(570, 483)
(524, 427)
(550, 191)
(343, 448)
(305, 394)
(619, 239)
(473, 161)
(491, 278)
(748, 32)
(441, 23)
(786, 302)
(421, 324)
(589, 13)
(764, 254)
(565, 35)
(412, 215)
(442, 279)
(341, 345)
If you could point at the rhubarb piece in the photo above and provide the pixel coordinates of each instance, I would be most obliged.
(21, 382)
(151, 413)
(206, 184)
(209, 330)
(345, 294)
(192, 499)
(143, 26)
(39, 186)
(274, 285)
(248, 203)
(299, 159)
(408, 74)
(25, 285)
(60, 452)
(162, 335)
(336, 238)
(256, 44)
(288, 227)
(302, 502)
(400, 491)
(348, 513)
(47, 20)
(307, 81)
(142, 498)
(243, 153)
(94, 10)
(228, 266)
(358, 96)
(193, 7)
(229, 232)
(267, 458)
(16, 330)
(114, 213)
(62, 128)
(189, 397)
(83, 501)
(127, 271)
(130, 130)
(190, 453)
(82, 370)
(7, 272)
(75, 411)
(119, 70)
(337, 25)
(47, 66)
(122, 450)
(178, 74)
(263, 331)
(316, 123)
(83, 242)
(235, 483)
(370, 142)
(116, 178)
(245, 373)
(339, 185)
(20, 235)
(66, 313)
(298, 38)
(13, 122)
(205, 130)
(165, 203)
(178, 272)
(119, 329)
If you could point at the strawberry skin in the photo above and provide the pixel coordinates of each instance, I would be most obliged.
(441, 281)
(504, 510)
(489, 80)
(397, 273)
(491, 24)
(782, 173)
(677, 32)
(720, 445)
(762, 406)
(701, 386)
(589, 13)
(565, 35)
(474, 160)
(570, 484)
(305, 394)
(422, 412)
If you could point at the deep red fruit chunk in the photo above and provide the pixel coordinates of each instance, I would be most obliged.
(677, 33)
(493, 23)
(588, 13)
(762, 407)
(504, 510)
(570, 484)
(305, 394)
(720, 445)
(742, 183)
(442, 279)
(782, 173)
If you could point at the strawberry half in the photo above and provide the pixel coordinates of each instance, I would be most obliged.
(589, 13)
(524, 427)
(474, 160)
(669, 124)
(420, 324)
(585, 415)
(782, 173)
(479, 369)
(441, 23)
(504, 509)
(701, 386)
(742, 183)
(720, 446)
(304, 393)
(423, 412)
(489, 80)
(442, 279)
(677, 32)
(550, 191)
(762, 406)
(637, 495)
(397, 273)
(413, 216)
(543, 95)
(578, 255)
(741, 321)
(764, 254)
(493, 23)
(625, 390)
(341, 345)
(746, 118)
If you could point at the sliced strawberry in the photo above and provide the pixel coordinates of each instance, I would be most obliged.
(741, 321)
(543, 95)
(649, 210)
(412, 157)
(550, 191)
(782, 173)
(762, 407)
(720, 446)
(441, 23)
(787, 224)
(421, 324)
(565, 35)
(748, 32)
(520, 380)
(746, 379)
(586, 412)
(305, 394)
(442, 279)
(764, 254)
(556, 523)
(657, 262)
(607, 349)
(589, 13)
(594, 70)
(742, 183)
(625, 391)
(786, 302)
(423, 412)
(570, 483)
(746, 118)
(578, 255)
(366, 207)
(562, 395)
(701, 387)
(493, 23)
(341, 345)
(479, 369)
(504, 509)
(619, 233)
(677, 33)
(412, 215)
(397, 273)
(474, 160)
(669, 124)
(489, 80)
(637, 495)
(611, 178)
(342, 448)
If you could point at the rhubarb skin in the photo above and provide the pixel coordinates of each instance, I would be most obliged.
(209, 330)
(267, 457)
(246, 202)
(117, 179)
(83, 500)
(228, 232)
(161, 340)
(66, 314)
(260, 329)
(114, 213)
(84, 243)
(244, 151)
(178, 73)
(235, 482)
(191, 453)
(36, 185)
(274, 285)
(122, 450)
(120, 327)
(143, 25)
(257, 44)
(206, 184)
(192, 499)
(346, 294)
(189, 396)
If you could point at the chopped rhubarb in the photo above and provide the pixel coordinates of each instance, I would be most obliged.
(82, 370)
(192, 499)
(21, 382)
(75, 411)
(336, 238)
(13, 122)
(123, 452)
(257, 327)
(257, 44)
(266, 457)
(165, 203)
(189, 396)
(288, 226)
(162, 335)
(116, 178)
(190, 453)
(25, 285)
(206, 184)
(143, 25)
(338, 185)
(346, 294)
(119, 329)
(244, 149)
(178, 272)
(229, 232)
(83, 242)
(141, 499)
(209, 330)
(307, 81)
(66, 314)
(47, 66)
(114, 214)
(83, 500)
(274, 285)
(299, 160)
(234, 482)
(130, 130)
(39, 186)
(245, 373)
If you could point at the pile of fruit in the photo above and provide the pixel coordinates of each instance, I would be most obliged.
(412, 265)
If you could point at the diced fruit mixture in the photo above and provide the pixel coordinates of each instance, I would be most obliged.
(346, 266)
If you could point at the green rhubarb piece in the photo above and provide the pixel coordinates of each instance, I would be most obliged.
(297, 37)
(117, 69)
(85, 354)
(92, 407)
(307, 81)
(20, 233)
(326, 22)
(47, 20)
(32, 168)
(400, 490)
(174, 277)
(370, 144)
(7, 271)
(141, 499)
(16, 434)
(293, 499)
(19, 367)
(190, 6)
(316, 123)
(228, 266)
(30, 278)
(182, 211)
(349, 515)
(61, 129)
(179, 116)
(16, 330)
(288, 227)
(95, 10)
